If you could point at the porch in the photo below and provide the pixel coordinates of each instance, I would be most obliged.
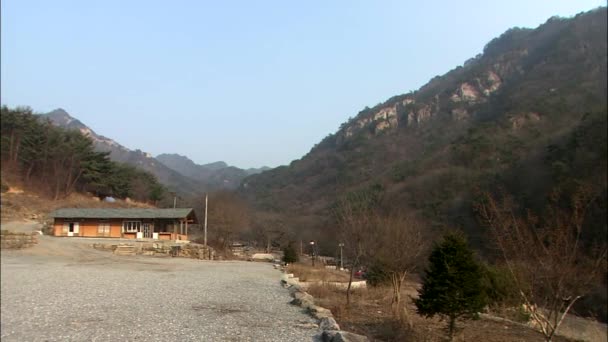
(156, 229)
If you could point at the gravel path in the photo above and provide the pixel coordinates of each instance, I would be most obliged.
(111, 298)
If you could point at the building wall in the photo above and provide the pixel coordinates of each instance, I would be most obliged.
(116, 228)
(89, 228)
(57, 227)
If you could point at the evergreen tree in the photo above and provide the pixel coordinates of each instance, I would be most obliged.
(59, 161)
(289, 254)
(453, 283)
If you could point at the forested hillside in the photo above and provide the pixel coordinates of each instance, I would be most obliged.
(528, 116)
(120, 154)
(57, 162)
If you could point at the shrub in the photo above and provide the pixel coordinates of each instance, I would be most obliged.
(499, 286)
(289, 254)
(377, 275)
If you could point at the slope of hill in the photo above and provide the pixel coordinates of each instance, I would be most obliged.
(174, 180)
(177, 172)
(528, 114)
(218, 175)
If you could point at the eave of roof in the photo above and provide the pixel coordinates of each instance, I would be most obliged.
(118, 213)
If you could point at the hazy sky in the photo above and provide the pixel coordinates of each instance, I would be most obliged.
(248, 82)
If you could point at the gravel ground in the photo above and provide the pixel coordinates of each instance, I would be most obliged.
(103, 297)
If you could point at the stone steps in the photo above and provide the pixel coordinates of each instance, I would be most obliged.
(125, 250)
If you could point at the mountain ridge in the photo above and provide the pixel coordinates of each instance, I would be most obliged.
(477, 125)
(215, 176)
(215, 173)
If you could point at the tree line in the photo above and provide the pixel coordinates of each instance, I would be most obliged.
(59, 162)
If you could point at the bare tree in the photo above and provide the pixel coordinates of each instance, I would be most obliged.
(228, 216)
(268, 228)
(402, 249)
(356, 220)
(545, 256)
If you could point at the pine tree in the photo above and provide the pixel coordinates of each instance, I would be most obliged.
(289, 254)
(452, 285)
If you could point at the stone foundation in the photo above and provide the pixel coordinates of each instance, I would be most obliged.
(189, 250)
(12, 240)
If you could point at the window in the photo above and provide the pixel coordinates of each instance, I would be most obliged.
(131, 226)
(104, 228)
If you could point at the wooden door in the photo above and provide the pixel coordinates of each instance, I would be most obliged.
(71, 228)
(147, 229)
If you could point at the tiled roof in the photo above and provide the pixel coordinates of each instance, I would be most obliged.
(108, 213)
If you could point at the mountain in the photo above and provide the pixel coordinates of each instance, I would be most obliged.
(170, 178)
(527, 115)
(177, 172)
(218, 174)
(61, 118)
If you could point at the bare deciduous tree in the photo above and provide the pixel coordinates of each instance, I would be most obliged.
(545, 256)
(268, 228)
(355, 216)
(228, 216)
(401, 250)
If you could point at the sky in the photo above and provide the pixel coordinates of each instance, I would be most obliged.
(251, 83)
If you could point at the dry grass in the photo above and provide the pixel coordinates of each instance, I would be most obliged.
(17, 205)
(370, 313)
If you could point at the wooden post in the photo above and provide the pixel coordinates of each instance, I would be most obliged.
(186, 227)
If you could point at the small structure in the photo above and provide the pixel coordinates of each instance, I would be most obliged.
(159, 224)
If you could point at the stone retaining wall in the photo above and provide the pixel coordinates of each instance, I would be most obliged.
(194, 251)
(330, 329)
(12, 240)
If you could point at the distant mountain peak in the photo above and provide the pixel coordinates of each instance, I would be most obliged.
(61, 117)
(59, 111)
(218, 173)
(216, 165)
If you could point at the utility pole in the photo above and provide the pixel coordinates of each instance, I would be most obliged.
(205, 233)
(341, 260)
(174, 198)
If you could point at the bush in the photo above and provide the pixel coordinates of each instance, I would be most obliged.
(376, 274)
(499, 286)
(290, 255)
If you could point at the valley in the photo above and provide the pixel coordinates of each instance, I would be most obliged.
(475, 203)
